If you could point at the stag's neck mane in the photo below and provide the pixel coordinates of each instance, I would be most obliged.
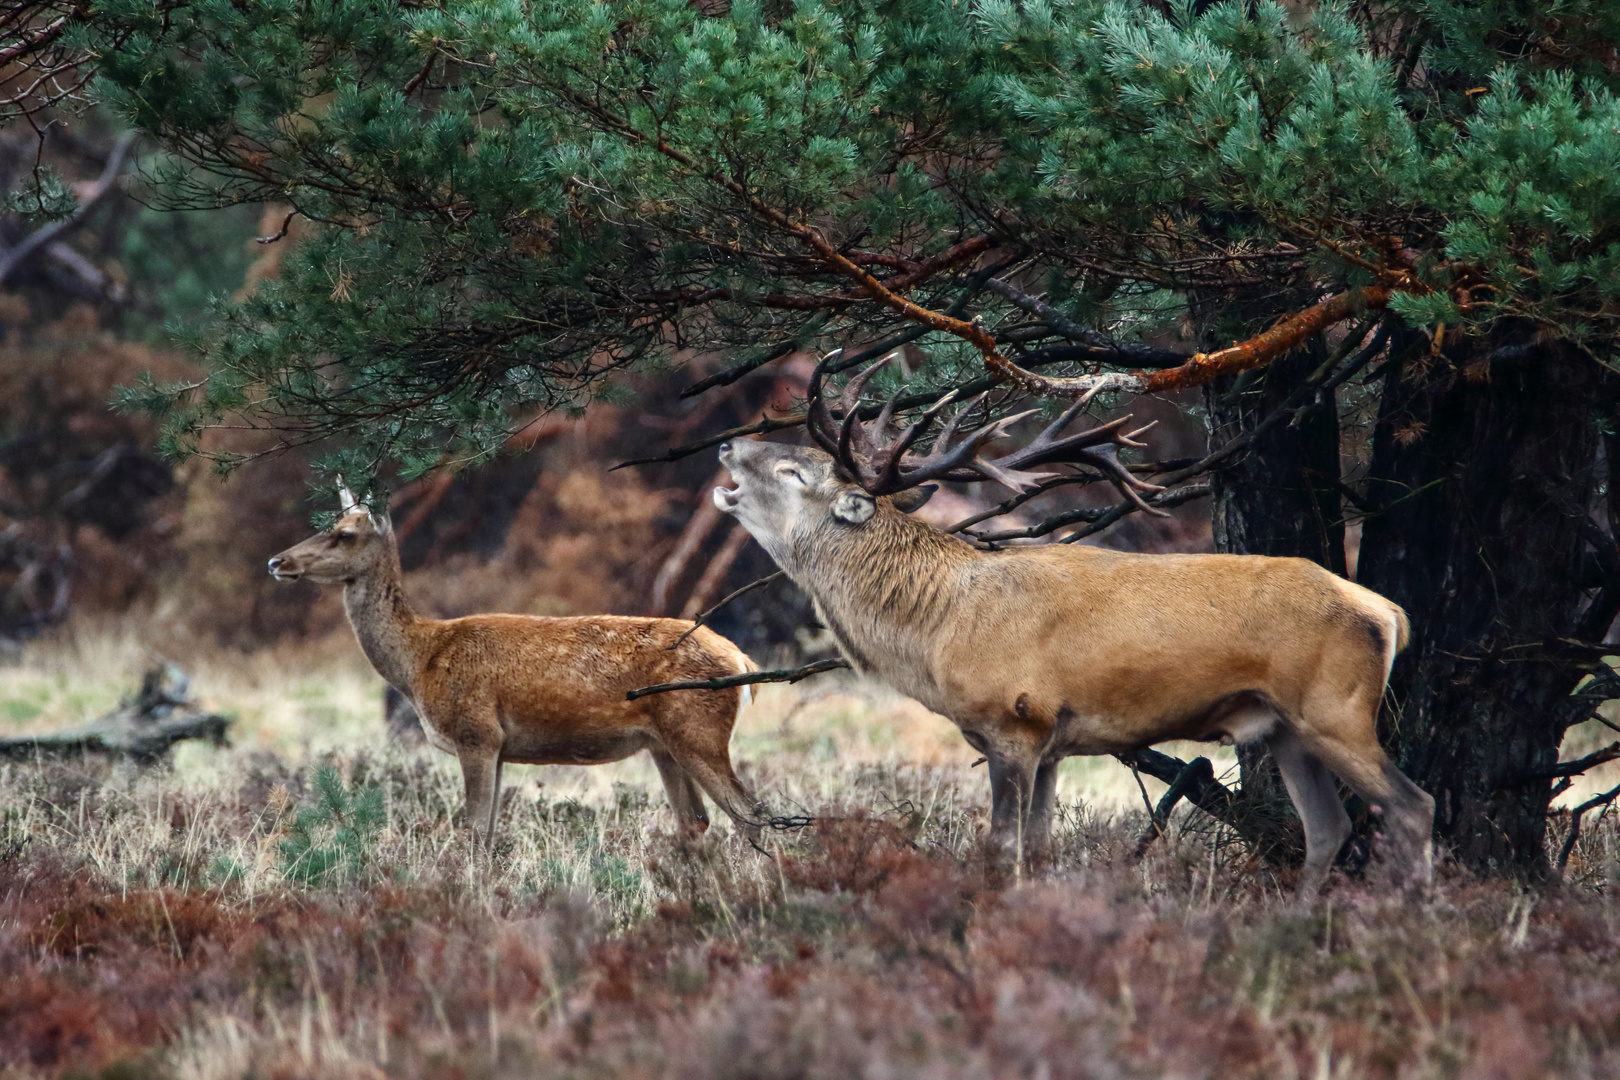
(883, 586)
(384, 621)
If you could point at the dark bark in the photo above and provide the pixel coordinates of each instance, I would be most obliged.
(1280, 498)
(1482, 475)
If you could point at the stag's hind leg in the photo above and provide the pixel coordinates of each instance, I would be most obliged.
(683, 794)
(1345, 740)
(1315, 796)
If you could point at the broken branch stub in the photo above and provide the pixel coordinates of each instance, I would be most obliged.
(142, 728)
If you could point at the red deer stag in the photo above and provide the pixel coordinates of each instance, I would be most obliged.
(534, 690)
(1044, 652)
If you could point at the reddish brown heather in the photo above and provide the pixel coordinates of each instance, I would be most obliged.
(869, 955)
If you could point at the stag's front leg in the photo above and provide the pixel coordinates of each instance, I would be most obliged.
(1012, 786)
(1038, 832)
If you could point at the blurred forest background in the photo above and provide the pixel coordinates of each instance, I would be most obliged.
(95, 524)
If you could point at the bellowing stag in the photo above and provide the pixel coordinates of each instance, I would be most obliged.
(1040, 653)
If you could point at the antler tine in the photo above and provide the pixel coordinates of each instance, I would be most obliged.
(849, 456)
(961, 462)
(819, 419)
(1129, 438)
(889, 479)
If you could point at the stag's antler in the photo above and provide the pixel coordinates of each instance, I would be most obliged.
(886, 468)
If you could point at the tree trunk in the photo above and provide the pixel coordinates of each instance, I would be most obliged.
(1482, 473)
(1279, 498)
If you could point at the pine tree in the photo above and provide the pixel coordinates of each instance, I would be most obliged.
(516, 202)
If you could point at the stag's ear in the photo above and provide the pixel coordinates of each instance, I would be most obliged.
(913, 499)
(854, 508)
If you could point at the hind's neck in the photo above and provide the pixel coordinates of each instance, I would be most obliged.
(385, 623)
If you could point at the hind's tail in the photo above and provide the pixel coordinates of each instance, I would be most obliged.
(747, 665)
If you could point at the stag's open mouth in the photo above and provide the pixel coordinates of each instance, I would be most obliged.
(728, 498)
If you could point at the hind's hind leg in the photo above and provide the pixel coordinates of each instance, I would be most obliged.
(696, 734)
(1315, 796)
(683, 795)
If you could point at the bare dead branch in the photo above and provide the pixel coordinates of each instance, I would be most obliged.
(792, 675)
(696, 530)
(1578, 766)
(142, 728)
(38, 39)
(723, 601)
(715, 572)
(286, 223)
(1594, 802)
(1196, 773)
(1204, 792)
(14, 258)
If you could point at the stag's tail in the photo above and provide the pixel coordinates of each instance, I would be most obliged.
(1403, 628)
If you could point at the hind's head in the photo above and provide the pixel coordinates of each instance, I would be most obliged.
(359, 542)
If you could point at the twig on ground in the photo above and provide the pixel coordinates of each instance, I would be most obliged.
(1575, 823)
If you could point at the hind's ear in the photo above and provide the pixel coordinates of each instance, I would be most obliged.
(912, 499)
(383, 522)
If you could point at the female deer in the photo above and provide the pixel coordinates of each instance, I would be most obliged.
(535, 690)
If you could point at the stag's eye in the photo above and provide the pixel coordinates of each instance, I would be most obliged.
(791, 473)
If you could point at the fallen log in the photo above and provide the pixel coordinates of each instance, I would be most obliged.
(142, 728)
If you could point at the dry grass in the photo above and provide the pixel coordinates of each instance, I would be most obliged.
(163, 922)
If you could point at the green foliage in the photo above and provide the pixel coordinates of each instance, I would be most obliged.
(516, 202)
(44, 197)
(180, 264)
(334, 840)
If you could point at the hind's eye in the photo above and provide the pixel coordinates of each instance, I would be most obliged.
(344, 536)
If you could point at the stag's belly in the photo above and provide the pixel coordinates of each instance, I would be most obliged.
(1242, 716)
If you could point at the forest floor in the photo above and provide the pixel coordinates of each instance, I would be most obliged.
(299, 904)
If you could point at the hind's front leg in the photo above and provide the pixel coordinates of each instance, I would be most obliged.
(481, 775)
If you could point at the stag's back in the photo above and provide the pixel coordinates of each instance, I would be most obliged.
(1154, 636)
